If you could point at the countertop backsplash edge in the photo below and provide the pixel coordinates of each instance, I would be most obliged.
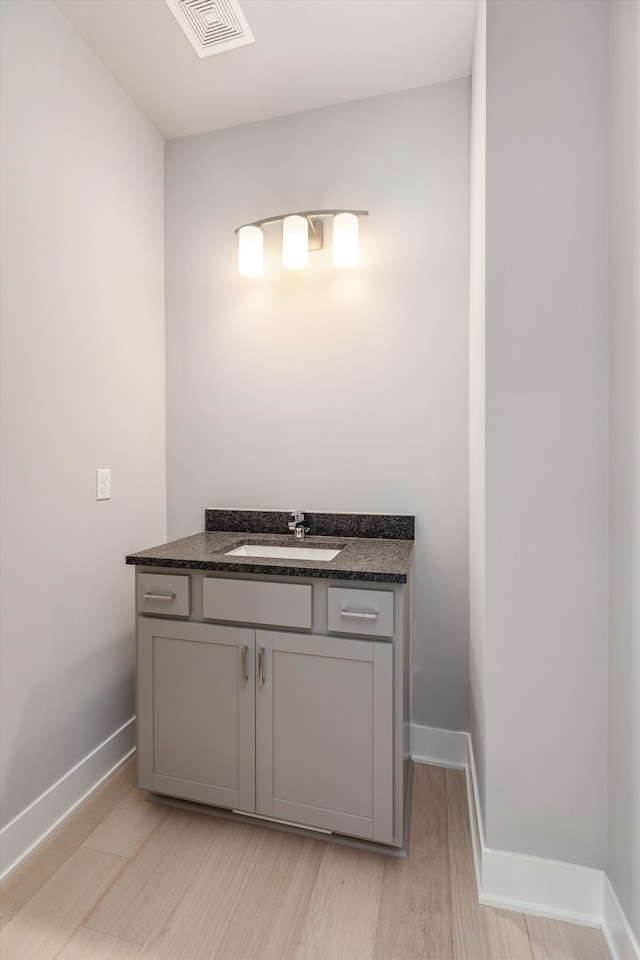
(360, 525)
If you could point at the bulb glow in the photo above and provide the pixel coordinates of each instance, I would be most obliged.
(295, 242)
(250, 256)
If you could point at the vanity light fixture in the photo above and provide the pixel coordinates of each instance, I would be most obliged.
(301, 233)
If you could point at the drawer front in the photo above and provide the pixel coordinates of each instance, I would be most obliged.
(249, 601)
(163, 595)
(369, 612)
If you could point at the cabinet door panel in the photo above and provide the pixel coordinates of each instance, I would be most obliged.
(195, 716)
(324, 745)
(192, 703)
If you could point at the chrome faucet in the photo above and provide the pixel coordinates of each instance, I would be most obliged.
(297, 525)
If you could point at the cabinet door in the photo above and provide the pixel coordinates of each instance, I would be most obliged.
(196, 712)
(324, 748)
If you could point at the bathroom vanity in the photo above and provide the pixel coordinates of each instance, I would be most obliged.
(277, 687)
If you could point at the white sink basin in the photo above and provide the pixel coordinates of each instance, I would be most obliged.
(282, 553)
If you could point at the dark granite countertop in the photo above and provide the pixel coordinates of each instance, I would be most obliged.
(378, 559)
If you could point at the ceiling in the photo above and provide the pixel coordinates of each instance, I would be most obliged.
(307, 54)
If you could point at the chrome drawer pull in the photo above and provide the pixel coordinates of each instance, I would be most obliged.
(159, 596)
(360, 614)
(260, 666)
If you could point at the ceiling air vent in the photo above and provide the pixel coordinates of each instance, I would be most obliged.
(212, 26)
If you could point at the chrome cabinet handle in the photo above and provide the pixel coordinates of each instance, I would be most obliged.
(159, 596)
(243, 664)
(260, 666)
(360, 614)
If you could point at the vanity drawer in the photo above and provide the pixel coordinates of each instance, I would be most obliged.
(360, 611)
(250, 601)
(165, 595)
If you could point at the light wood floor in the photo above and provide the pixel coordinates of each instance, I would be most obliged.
(122, 879)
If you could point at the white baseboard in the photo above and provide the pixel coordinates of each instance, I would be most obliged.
(30, 827)
(512, 881)
(443, 748)
(618, 934)
(547, 888)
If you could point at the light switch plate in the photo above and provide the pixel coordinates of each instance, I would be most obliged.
(103, 484)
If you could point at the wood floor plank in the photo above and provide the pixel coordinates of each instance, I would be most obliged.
(43, 926)
(415, 908)
(30, 876)
(157, 878)
(88, 944)
(267, 921)
(479, 933)
(127, 826)
(196, 926)
(342, 918)
(556, 940)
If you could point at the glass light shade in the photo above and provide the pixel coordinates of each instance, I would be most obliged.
(250, 257)
(344, 250)
(295, 242)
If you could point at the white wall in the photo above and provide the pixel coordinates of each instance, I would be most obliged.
(477, 532)
(545, 651)
(623, 864)
(331, 390)
(82, 387)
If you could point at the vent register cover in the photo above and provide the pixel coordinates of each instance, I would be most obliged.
(212, 26)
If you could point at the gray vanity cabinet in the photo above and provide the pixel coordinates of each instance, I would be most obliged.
(196, 715)
(264, 719)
